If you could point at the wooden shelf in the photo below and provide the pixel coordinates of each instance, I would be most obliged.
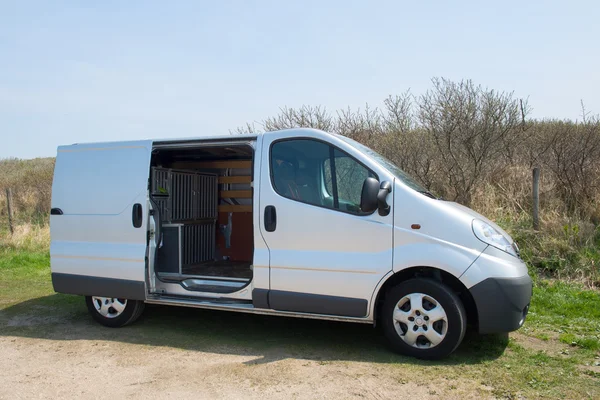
(235, 179)
(236, 194)
(225, 164)
(235, 208)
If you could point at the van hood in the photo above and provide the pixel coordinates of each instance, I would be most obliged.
(459, 207)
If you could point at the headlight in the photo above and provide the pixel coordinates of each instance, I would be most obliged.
(490, 235)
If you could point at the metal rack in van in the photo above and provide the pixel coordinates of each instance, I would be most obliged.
(187, 202)
(184, 195)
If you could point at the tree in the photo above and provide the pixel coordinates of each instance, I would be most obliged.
(470, 127)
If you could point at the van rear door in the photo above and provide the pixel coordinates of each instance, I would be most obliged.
(99, 219)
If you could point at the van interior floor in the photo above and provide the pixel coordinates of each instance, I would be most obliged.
(221, 268)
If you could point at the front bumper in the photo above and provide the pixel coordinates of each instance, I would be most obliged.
(502, 303)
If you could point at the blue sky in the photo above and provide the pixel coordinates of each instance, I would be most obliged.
(115, 70)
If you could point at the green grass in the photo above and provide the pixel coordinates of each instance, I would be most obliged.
(24, 275)
(586, 342)
(552, 356)
(568, 312)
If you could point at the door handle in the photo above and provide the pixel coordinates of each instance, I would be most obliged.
(136, 215)
(270, 218)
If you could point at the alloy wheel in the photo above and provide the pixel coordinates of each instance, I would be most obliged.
(109, 307)
(420, 320)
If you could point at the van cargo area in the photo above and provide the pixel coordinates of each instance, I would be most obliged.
(202, 200)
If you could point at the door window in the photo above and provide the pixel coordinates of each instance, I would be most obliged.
(350, 176)
(317, 173)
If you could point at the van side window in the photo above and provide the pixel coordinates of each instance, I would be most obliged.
(302, 170)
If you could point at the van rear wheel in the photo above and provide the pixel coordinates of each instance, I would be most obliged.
(114, 312)
(423, 318)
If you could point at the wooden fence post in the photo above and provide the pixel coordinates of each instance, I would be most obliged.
(536, 198)
(9, 206)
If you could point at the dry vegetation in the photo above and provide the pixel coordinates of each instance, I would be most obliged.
(464, 142)
(31, 185)
(478, 146)
(26, 237)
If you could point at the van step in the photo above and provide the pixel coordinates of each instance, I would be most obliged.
(212, 286)
(223, 301)
(177, 277)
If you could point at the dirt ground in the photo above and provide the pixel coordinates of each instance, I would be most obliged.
(37, 367)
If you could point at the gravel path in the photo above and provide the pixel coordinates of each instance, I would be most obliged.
(34, 368)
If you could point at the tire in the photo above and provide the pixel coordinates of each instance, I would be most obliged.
(438, 324)
(113, 312)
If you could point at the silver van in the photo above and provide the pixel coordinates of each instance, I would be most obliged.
(297, 223)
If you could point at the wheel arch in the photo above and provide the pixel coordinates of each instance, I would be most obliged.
(434, 273)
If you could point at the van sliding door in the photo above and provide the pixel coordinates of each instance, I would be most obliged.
(99, 219)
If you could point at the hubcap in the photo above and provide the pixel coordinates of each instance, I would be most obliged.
(420, 320)
(109, 307)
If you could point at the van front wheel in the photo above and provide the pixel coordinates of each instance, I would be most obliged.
(114, 312)
(423, 318)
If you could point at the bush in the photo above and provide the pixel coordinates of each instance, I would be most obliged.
(477, 146)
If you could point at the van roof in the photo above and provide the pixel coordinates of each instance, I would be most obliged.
(162, 141)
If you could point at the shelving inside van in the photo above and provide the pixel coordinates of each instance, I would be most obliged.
(202, 202)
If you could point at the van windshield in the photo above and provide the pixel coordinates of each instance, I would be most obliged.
(398, 173)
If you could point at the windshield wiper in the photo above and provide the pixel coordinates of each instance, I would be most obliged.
(428, 194)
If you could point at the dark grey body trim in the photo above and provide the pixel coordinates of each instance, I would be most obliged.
(96, 286)
(316, 304)
(260, 298)
(502, 303)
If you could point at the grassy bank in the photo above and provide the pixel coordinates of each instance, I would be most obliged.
(564, 249)
(555, 355)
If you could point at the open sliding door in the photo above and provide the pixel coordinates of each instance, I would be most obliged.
(99, 219)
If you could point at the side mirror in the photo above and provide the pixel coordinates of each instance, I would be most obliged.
(373, 196)
(384, 189)
(369, 194)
